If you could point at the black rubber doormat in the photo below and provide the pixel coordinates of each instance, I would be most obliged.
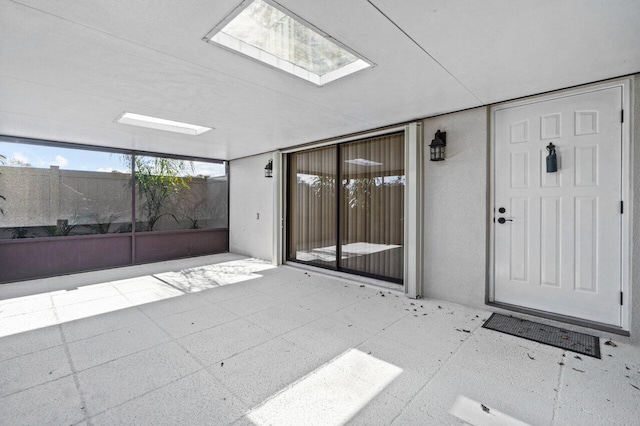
(564, 339)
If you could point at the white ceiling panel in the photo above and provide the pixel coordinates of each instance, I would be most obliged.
(504, 49)
(68, 69)
(39, 111)
(403, 72)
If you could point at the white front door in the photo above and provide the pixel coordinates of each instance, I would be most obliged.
(559, 247)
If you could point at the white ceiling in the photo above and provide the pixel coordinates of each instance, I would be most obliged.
(69, 68)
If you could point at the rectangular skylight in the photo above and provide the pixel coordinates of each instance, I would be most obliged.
(274, 36)
(160, 124)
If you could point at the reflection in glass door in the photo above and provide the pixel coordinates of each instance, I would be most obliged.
(372, 206)
(312, 207)
(357, 227)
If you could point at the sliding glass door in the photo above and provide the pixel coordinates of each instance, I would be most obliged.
(357, 227)
(372, 206)
(312, 207)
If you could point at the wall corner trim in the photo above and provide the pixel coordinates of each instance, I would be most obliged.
(278, 217)
(413, 210)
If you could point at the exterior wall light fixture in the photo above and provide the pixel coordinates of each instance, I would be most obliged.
(268, 169)
(438, 146)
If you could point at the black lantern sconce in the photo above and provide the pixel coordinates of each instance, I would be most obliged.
(268, 169)
(438, 146)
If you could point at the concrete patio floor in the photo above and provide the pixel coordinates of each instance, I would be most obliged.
(229, 340)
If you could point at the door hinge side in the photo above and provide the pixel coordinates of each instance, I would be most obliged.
(621, 207)
(622, 116)
(621, 298)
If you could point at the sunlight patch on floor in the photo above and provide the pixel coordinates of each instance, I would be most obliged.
(331, 395)
(477, 414)
(22, 314)
(197, 279)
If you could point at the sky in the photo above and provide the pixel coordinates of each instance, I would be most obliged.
(39, 156)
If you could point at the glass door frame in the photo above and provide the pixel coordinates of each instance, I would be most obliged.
(338, 205)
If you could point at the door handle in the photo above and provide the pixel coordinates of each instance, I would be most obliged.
(503, 220)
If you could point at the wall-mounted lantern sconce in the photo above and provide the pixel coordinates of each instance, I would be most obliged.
(438, 146)
(268, 169)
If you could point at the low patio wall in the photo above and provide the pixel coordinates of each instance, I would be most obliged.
(30, 258)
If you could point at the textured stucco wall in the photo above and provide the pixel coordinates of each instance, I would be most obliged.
(455, 209)
(251, 194)
(41, 196)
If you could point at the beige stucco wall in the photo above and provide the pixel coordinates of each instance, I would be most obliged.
(455, 209)
(41, 196)
(251, 203)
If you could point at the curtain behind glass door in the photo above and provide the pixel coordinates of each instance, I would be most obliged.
(312, 207)
(372, 206)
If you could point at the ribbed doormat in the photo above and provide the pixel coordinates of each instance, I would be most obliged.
(570, 340)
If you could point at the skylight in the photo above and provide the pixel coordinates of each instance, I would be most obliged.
(278, 38)
(161, 124)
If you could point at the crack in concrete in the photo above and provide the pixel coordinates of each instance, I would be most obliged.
(430, 379)
(67, 352)
(556, 401)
